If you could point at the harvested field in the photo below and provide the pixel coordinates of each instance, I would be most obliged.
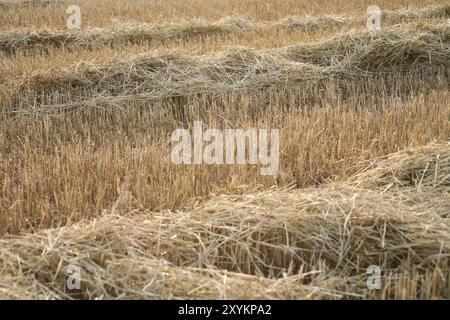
(343, 61)
(18, 4)
(131, 33)
(277, 244)
(87, 172)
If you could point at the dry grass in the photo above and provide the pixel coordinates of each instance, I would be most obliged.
(342, 60)
(19, 4)
(100, 13)
(312, 243)
(23, 40)
(73, 167)
(419, 168)
(85, 171)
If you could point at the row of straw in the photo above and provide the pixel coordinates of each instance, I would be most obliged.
(21, 40)
(277, 244)
(391, 54)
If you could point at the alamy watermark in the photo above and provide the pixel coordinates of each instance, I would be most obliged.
(73, 277)
(374, 280)
(229, 146)
(74, 19)
(374, 19)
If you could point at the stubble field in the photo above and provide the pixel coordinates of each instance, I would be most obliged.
(86, 177)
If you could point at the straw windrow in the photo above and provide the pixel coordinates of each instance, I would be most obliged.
(18, 4)
(342, 60)
(278, 244)
(23, 40)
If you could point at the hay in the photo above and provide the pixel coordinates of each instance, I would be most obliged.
(144, 278)
(14, 5)
(282, 244)
(422, 167)
(343, 60)
(401, 15)
(23, 40)
(309, 23)
(129, 33)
